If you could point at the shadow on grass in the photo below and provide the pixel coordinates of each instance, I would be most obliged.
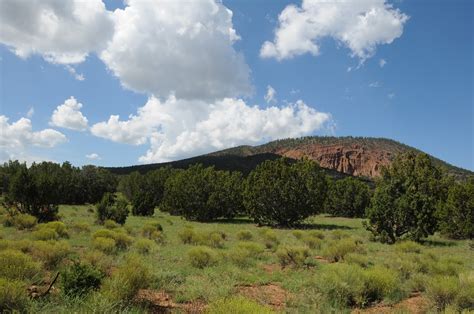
(438, 243)
(314, 226)
(236, 221)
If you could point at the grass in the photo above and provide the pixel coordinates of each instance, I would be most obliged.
(328, 265)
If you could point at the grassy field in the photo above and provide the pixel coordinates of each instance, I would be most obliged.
(329, 266)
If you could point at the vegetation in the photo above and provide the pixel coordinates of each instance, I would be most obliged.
(279, 193)
(405, 199)
(112, 208)
(348, 197)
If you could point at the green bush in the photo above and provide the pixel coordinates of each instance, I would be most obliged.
(253, 248)
(298, 234)
(110, 224)
(106, 245)
(442, 290)
(112, 208)
(144, 246)
(244, 235)
(316, 234)
(270, 239)
(312, 242)
(151, 227)
(80, 227)
(348, 197)
(51, 253)
(79, 279)
(17, 265)
(240, 257)
(465, 298)
(214, 239)
(202, 256)
(24, 221)
(358, 259)
(13, 297)
(351, 285)
(408, 247)
(189, 236)
(121, 239)
(237, 305)
(45, 234)
(294, 255)
(58, 226)
(336, 251)
(132, 275)
(98, 260)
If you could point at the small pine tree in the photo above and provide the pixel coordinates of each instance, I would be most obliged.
(112, 208)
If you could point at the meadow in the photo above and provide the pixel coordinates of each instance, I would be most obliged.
(165, 264)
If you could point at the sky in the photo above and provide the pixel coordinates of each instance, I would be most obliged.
(120, 83)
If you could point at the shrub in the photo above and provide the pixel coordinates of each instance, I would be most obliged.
(408, 247)
(13, 297)
(121, 239)
(45, 234)
(279, 193)
(254, 248)
(189, 236)
(294, 256)
(214, 239)
(59, 227)
(337, 250)
(312, 242)
(245, 252)
(51, 253)
(106, 245)
(144, 246)
(270, 239)
(110, 224)
(79, 279)
(202, 256)
(357, 259)
(442, 290)
(350, 285)
(98, 260)
(244, 235)
(237, 305)
(465, 298)
(17, 265)
(298, 234)
(151, 227)
(112, 208)
(24, 221)
(131, 276)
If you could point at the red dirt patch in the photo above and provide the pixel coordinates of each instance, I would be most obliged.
(415, 304)
(270, 294)
(159, 301)
(193, 307)
(322, 259)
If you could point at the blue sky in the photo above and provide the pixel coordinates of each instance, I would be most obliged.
(421, 96)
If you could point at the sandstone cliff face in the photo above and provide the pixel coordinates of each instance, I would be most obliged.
(353, 159)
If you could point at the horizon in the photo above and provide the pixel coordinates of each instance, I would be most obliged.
(114, 84)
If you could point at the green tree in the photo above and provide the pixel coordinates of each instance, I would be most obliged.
(405, 199)
(203, 194)
(348, 197)
(456, 216)
(113, 208)
(280, 193)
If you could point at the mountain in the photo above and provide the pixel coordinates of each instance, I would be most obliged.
(340, 156)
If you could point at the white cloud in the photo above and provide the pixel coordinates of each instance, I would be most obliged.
(17, 137)
(93, 156)
(73, 72)
(374, 84)
(63, 32)
(270, 96)
(359, 25)
(391, 95)
(163, 47)
(382, 63)
(180, 128)
(30, 113)
(69, 116)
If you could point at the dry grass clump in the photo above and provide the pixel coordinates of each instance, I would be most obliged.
(17, 265)
(202, 256)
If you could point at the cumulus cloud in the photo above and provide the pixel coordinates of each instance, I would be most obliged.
(163, 47)
(382, 63)
(178, 128)
(93, 156)
(63, 32)
(69, 116)
(73, 72)
(375, 84)
(16, 137)
(359, 25)
(270, 96)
